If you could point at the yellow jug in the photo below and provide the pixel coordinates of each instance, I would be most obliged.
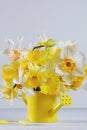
(38, 108)
(43, 108)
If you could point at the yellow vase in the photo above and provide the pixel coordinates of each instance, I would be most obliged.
(44, 108)
(38, 108)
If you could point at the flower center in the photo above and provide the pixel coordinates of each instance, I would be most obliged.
(68, 65)
(34, 81)
(18, 86)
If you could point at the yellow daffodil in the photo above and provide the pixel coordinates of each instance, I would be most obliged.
(52, 84)
(34, 79)
(44, 42)
(39, 57)
(9, 72)
(35, 56)
(34, 76)
(10, 93)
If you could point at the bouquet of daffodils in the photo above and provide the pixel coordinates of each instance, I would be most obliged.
(43, 68)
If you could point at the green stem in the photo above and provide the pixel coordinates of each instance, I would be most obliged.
(36, 47)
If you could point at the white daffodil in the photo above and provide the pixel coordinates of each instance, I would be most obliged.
(20, 83)
(15, 50)
(70, 62)
(21, 79)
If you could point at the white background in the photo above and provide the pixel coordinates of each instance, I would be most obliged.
(59, 19)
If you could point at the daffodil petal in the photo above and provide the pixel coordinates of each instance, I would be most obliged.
(68, 78)
(67, 52)
(84, 86)
(20, 72)
(78, 71)
(19, 42)
(11, 43)
(59, 71)
(79, 58)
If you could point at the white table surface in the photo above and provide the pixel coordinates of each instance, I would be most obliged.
(61, 125)
(69, 119)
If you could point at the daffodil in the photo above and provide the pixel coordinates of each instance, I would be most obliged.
(10, 93)
(15, 50)
(33, 76)
(9, 72)
(20, 84)
(70, 62)
(35, 56)
(20, 81)
(39, 57)
(44, 42)
(52, 84)
(34, 79)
